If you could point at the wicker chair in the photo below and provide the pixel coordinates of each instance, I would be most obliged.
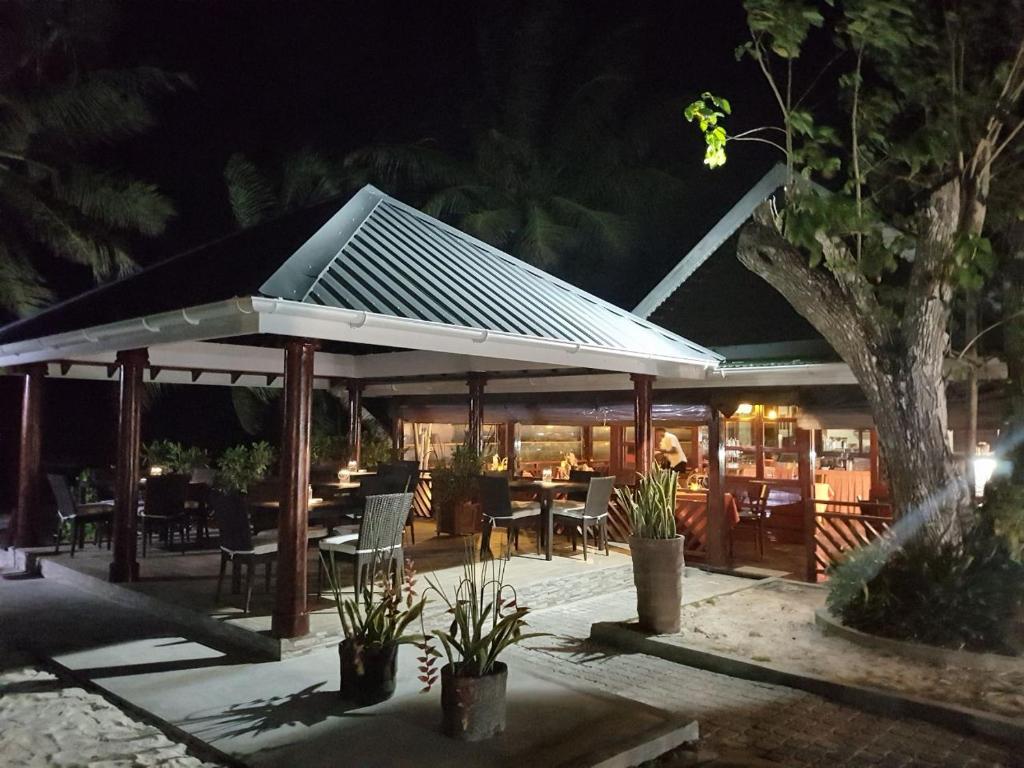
(406, 475)
(499, 511)
(239, 546)
(100, 513)
(593, 511)
(164, 509)
(377, 539)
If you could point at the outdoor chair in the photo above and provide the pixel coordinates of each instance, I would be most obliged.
(753, 514)
(409, 473)
(500, 511)
(241, 548)
(77, 516)
(164, 508)
(580, 476)
(593, 511)
(377, 539)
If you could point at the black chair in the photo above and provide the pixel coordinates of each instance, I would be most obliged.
(164, 508)
(240, 547)
(593, 511)
(753, 514)
(499, 511)
(77, 516)
(580, 476)
(408, 472)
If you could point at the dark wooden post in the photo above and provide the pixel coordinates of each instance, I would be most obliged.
(355, 419)
(510, 446)
(643, 387)
(28, 529)
(291, 615)
(398, 438)
(805, 473)
(587, 444)
(124, 566)
(757, 428)
(475, 432)
(718, 524)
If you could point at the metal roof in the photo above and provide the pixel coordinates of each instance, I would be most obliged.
(377, 273)
(381, 256)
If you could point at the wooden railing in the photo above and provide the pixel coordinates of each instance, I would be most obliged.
(837, 534)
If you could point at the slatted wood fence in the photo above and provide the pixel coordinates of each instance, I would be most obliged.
(837, 534)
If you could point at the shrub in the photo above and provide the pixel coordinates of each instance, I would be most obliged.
(242, 465)
(959, 594)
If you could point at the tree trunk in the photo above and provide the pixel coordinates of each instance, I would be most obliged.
(1012, 438)
(898, 365)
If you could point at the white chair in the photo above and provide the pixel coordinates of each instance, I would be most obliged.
(593, 511)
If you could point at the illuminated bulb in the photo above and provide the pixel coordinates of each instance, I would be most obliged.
(773, 414)
(744, 409)
(984, 467)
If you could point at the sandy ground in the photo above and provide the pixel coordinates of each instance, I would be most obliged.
(47, 722)
(773, 623)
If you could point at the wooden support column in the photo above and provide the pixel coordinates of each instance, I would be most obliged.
(587, 448)
(124, 566)
(510, 446)
(643, 389)
(475, 432)
(757, 428)
(805, 474)
(291, 615)
(397, 438)
(355, 419)
(28, 528)
(719, 528)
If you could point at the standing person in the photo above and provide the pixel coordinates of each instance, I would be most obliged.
(670, 450)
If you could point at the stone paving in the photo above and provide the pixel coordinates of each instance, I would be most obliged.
(786, 726)
(48, 722)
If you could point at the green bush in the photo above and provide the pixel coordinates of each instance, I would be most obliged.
(175, 457)
(959, 594)
(242, 465)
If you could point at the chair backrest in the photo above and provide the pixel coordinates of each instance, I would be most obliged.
(407, 472)
(165, 495)
(383, 522)
(381, 485)
(232, 516)
(66, 507)
(758, 495)
(598, 495)
(582, 475)
(495, 498)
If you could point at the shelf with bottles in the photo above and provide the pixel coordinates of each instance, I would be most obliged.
(440, 440)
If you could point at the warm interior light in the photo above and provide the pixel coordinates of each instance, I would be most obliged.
(155, 471)
(772, 414)
(744, 409)
(984, 468)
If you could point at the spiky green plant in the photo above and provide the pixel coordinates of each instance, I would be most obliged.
(486, 619)
(379, 616)
(651, 506)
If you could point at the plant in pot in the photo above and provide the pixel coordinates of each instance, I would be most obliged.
(486, 619)
(657, 549)
(242, 466)
(453, 488)
(374, 624)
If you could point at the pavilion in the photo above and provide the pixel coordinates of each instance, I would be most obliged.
(376, 294)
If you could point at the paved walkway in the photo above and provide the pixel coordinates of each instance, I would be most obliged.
(789, 727)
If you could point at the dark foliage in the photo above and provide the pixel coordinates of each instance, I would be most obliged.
(967, 594)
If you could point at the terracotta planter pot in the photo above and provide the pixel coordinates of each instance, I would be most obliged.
(658, 575)
(473, 708)
(371, 679)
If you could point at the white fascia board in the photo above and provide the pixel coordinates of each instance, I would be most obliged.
(292, 318)
(417, 363)
(234, 317)
(98, 372)
(805, 374)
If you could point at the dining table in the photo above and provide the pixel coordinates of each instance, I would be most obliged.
(546, 490)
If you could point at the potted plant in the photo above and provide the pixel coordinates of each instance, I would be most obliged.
(657, 549)
(453, 488)
(486, 619)
(374, 624)
(241, 466)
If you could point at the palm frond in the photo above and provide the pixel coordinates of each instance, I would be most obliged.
(21, 287)
(496, 226)
(606, 230)
(118, 202)
(543, 242)
(104, 106)
(249, 192)
(307, 178)
(456, 201)
(251, 406)
(420, 165)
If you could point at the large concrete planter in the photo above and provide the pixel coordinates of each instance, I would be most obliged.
(658, 575)
(473, 708)
(370, 678)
